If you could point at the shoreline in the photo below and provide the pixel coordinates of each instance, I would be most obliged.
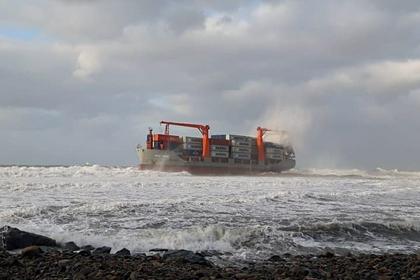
(25, 255)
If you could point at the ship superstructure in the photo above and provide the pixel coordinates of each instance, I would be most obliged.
(216, 154)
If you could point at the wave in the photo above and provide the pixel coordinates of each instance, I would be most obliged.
(377, 173)
(362, 231)
(248, 243)
(124, 171)
(76, 171)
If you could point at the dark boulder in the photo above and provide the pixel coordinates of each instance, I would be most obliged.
(123, 252)
(87, 247)
(210, 253)
(71, 246)
(275, 258)
(14, 238)
(158, 250)
(328, 255)
(102, 250)
(187, 257)
(83, 252)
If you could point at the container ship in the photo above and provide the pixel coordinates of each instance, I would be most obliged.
(215, 154)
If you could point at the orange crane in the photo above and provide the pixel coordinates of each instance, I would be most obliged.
(204, 129)
(260, 143)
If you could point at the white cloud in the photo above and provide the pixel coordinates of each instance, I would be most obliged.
(88, 63)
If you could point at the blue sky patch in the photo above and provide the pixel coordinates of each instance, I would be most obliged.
(22, 34)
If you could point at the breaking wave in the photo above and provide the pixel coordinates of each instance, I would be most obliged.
(112, 171)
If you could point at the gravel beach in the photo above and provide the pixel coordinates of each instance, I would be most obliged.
(26, 255)
(35, 263)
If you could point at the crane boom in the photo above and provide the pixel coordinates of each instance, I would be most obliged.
(260, 143)
(204, 129)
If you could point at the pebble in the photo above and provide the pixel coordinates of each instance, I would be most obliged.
(32, 252)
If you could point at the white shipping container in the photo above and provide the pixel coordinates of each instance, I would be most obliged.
(188, 139)
(241, 150)
(241, 143)
(220, 154)
(241, 138)
(241, 156)
(274, 150)
(274, 156)
(219, 148)
(193, 146)
(273, 145)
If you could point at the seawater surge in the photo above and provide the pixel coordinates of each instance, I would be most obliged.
(246, 218)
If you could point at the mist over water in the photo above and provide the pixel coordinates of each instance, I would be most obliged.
(248, 218)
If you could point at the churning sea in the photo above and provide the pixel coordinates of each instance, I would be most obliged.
(243, 218)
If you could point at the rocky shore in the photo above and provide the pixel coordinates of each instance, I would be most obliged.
(25, 255)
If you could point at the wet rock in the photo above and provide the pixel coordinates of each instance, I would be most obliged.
(158, 250)
(83, 252)
(14, 238)
(31, 252)
(79, 276)
(71, 246)
(64, 262)
(328, 255)
(102, 250)
(139, 255)
(134, 275)
(275, 258)
(87, 247)
(186, 256)
(210, 253)
(123, 252)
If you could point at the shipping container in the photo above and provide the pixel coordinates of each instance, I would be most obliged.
(241, 138)
(156, 145)
(166, 138)
(274, 156)
(193, 146)
(188, 139)
(219, 137)
(240, 156)
(245, 150)
(238, 143)
(219, 148)
(219, 142)
(173, 145)
(219, 159)
(231, 137)
(220, 154)
(192, 153)
(273, 145)
(274, 150)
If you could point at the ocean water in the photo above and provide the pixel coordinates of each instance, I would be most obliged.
(245, 218)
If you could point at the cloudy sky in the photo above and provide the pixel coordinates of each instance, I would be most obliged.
(82, 80)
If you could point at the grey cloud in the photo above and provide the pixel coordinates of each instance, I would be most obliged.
(342, 78)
